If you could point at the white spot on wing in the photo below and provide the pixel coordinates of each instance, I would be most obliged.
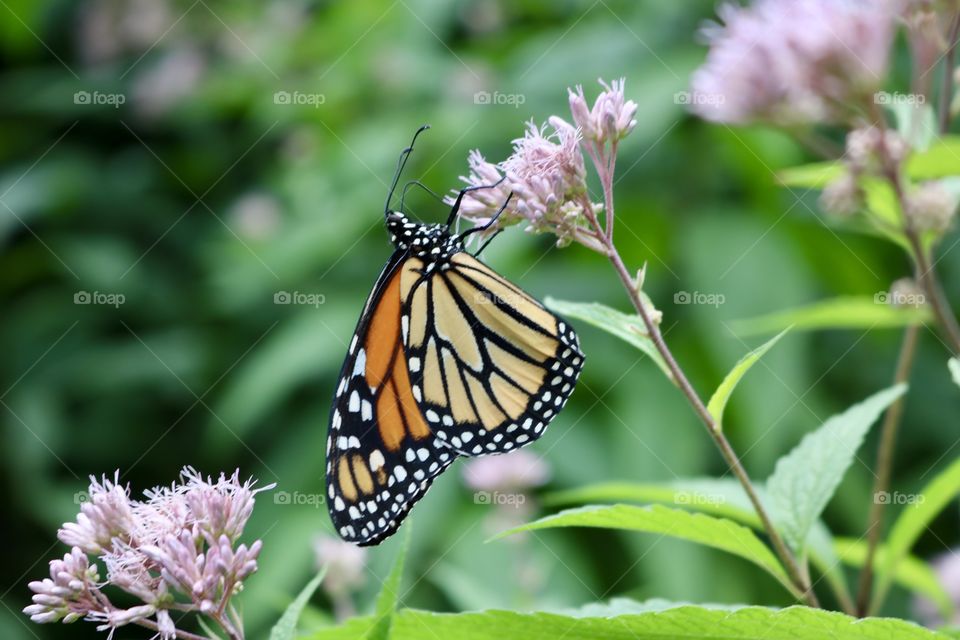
(360, 365)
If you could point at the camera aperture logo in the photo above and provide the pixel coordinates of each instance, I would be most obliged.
(99, 297)
(299, 499)
(496, 98)
(299, 297)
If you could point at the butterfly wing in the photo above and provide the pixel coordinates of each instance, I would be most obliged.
(381, 454)
(489, 366)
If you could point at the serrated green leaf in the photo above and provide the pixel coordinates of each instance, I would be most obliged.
(805, 479)
(679, 623)
(718, 533)
(286, 627)
(389, 597)
(911, 572)
(627, 327)
(722, 497)
(912, 522)
(718, 401)
(621, 606)
(847, 312)
(954, 365)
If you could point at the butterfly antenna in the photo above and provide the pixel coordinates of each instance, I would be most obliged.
(401, 163)
(417, 183)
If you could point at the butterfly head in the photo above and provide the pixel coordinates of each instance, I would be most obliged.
(432, 241)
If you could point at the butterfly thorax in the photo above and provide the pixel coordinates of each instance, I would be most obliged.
(429, 241)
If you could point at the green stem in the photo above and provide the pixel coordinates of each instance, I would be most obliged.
(888, 439)
(726, 450)
(931, 285)
(946, 87)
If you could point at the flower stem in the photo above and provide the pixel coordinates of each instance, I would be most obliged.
(926, 274)
(888, 438)
(931, 285)
(946, 87)
(185, 635)
(726, 450)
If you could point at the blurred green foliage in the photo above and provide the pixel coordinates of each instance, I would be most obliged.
(203, 195)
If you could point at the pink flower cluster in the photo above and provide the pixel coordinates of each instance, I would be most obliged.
(793, 61)
(545, 176)
(176, 550)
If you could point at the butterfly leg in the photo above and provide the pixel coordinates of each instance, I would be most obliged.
(456, 205)
(486, 226)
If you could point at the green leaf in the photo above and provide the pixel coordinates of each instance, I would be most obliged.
(954, 365)
(286, 627)
(815, 175)
(678, 623)
(940, 160)
(722, 497)
(620, 606)
(718, 533)
(916, 123)
(912, 522)
(912, 573)
(389, 597)
(718, 401)
(205, 626)
(805, 479)
(847, 312)
(629, 328)
(883, 211)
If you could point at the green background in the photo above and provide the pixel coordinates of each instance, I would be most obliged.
(200, 197)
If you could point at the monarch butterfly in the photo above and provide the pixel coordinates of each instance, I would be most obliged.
(448, 359)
